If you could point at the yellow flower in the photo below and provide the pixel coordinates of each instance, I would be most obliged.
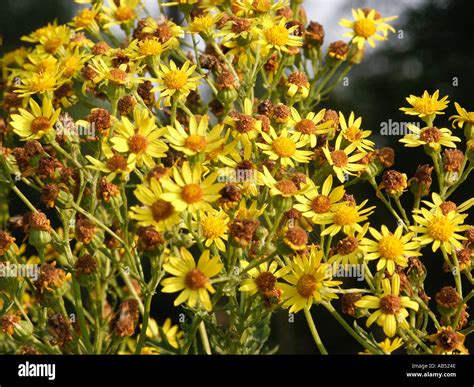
(390, 249)
(277, 36)
(316, 205)
(214, 227)
(427, 106)
(366, 27)
(117, 76)
(284, 147)
(119, 12)
(192, 280)
(341, 160)
(345, 216)
(176, 82)
(151, 47)
(298, 85)
(140, 139)
(188, 192)
(255, 7)
(352, 133)
(263, 278)
(154, 211)
(388, 346)
(114, 165)
(310, 126)
(39, 82)
(439, 229)
(35, 124)
(309, 282)
(86, 19)
(391, 307)
(448, 206)
(203, 24)
(284, 187)
(431, 136)
(348, 251)
(463, 117)
(245, 127)
(196, 139)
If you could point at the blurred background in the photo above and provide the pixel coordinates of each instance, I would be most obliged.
(431, 50)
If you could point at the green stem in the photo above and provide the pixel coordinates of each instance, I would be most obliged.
(204, 338)
(314, 331)
(80, 315)
(146, 316)
(349, 329)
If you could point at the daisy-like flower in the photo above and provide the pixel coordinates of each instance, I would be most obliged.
(367, 26)
(388, 346)
(193, 281)
(86, 19)
(439, 229)
(35, 124)
(276, 36)
(310, 126)
(448, 341)
(196, 139)
(447, 206)
(263, 279)
(390, 249)
(348, 251)
(153, 210)
(309, 281)
(114, 165)
(431, 136)
(352, 133)
(121, 12)
(284, 187)
(346, 216)
(118, 76)
(142, 139)
(463, 117)
(254, 7)
(174, 82)
(245, 127)
(164, 29)
(39, 82)
(148, 48)
(315, 204)
(186, 190)
(203, 24)
(341, 160)
(391, 307)
(427, 106)
(284, 147)
(214, 227)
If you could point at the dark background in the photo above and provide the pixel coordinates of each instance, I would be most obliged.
(437, 46)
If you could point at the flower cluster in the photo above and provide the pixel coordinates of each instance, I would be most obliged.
(147, 204)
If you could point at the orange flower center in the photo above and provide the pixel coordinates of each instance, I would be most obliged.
(390, 304)
(195, 142)
(195, 279)
(191, 193)
(137, 143)
(124, 13)
(306, 285)
(265, 281)
(339, 158)
(161, 210)
(306, 126)
(40, 124)
(321, 204)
